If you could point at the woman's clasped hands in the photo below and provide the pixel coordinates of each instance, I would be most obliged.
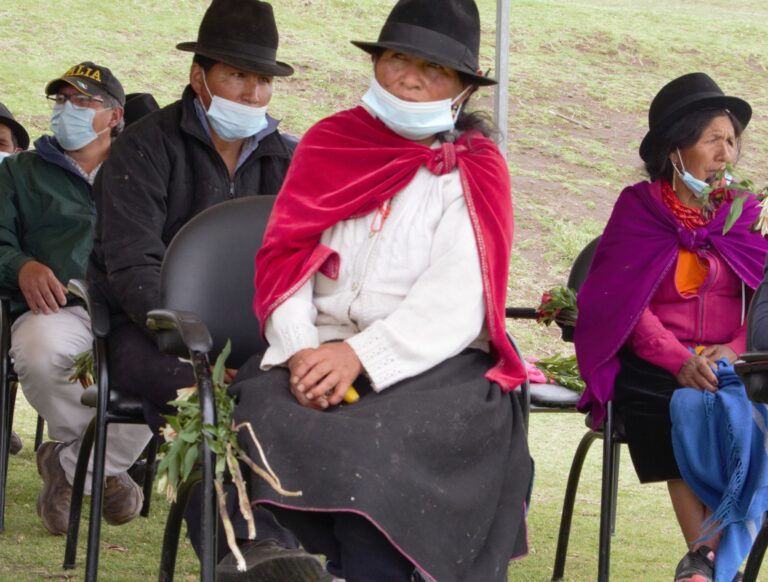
(319, 377)
(699, 370)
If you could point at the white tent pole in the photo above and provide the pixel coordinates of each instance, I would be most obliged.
(500, 96)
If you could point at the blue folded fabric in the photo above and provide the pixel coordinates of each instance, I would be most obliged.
(720, 442)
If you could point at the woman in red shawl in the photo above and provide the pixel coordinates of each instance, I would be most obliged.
(667, 291)
(384, 267)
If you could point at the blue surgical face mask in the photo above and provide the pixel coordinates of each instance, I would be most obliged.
(73, 126)
(412, 120)
(695, 185)
(233, 121)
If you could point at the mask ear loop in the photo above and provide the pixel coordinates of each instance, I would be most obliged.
(677, 171)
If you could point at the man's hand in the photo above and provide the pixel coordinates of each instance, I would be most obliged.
(697, 373)
(715, 352)
(42, 291)
(322, 376)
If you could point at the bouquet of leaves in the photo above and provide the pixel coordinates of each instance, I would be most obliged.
(562, 370)
(181, 451)
(558, 305)
(722, 188)
(82, 369)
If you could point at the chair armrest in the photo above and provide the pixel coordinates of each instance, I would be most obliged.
(521, 313)
(753, 369)
(179, 332)
(94, 304)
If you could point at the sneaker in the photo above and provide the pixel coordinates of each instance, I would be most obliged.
(123, 499)
(268, 561)
(15, 444)
(53, 501)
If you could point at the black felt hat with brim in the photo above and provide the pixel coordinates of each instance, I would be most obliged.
(445, 32)
(684, 95)
(242, 34)
(137, 105)
(7, 119)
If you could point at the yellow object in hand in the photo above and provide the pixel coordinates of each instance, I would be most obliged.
(351, 396)
(699, 349)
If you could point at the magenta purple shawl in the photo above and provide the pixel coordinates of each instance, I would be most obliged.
(637, 249)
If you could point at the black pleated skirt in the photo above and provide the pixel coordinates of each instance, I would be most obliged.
(439, 463)
(642, 397)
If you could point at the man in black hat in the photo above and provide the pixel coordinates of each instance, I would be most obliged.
(13, 137)
(214, 144)
(46, 233)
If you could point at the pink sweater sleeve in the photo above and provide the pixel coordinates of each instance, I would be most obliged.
(653, 342)
(739, 342)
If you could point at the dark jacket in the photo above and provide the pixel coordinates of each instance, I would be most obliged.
(46, 215)
(161, 172)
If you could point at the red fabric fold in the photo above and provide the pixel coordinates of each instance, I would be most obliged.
(349, 164)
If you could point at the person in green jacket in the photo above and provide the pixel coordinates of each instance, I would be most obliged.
(47, 217)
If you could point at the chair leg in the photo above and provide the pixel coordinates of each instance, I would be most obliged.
(149, 475)
(606, 497)
(615, 499)
(173, 527)
(755, 559)
(78, 492)
(97, 500)
(5, 424)
(570, 498)
(39, 432)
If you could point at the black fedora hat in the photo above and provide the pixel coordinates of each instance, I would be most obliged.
(448, 35)
(684, 95)
(240, 33)
(137, 105)
(21, 135)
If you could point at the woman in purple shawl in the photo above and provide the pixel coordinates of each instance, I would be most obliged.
(667, 290)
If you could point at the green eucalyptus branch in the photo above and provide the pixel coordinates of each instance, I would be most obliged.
(721, 189)
(180, 453)
(562, 370)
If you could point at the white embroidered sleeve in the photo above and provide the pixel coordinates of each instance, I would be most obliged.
(442, 314)
(290, 328)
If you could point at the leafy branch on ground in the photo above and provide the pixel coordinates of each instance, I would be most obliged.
(562, 370)
(180, 453)
(557, 305)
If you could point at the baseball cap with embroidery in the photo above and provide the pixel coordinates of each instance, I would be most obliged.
(90, 79)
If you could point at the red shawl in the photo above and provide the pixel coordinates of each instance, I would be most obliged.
(346, 166)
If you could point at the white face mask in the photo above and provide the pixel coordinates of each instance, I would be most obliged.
(410, 119)
(233, 121)
(3, 155)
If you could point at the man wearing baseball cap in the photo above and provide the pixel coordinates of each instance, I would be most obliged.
(13, 137)
(216, 143)
(47, 216)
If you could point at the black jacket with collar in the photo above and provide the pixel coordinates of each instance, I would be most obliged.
(161, 172)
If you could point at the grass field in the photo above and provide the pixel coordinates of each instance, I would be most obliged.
(582, 75)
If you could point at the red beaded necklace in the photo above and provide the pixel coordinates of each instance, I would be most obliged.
(690, 218)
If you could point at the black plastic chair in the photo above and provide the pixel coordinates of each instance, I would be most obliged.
(553, 398)
(752, 366)
(7, 397)
(207, 295)
(111, 406)
(8, 388)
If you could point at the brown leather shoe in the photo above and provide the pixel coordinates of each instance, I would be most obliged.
(122, 499)
(53, 501)
(16, 444)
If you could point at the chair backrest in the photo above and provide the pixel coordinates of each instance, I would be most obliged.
(577, 276)
(757, 320)
(208, 269)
